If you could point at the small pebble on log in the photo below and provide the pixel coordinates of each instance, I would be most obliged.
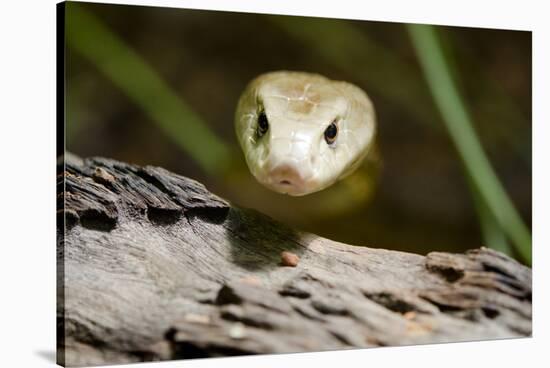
(289, 259)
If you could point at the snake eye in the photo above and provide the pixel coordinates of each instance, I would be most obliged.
(263, 124)
(331, 132)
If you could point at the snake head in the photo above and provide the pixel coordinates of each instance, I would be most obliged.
(301, 132)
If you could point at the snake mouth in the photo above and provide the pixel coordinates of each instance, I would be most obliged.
(286, 179)
(288, 186)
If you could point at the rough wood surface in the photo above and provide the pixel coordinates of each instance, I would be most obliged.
(152, 266)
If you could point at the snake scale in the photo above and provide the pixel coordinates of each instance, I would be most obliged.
(302, 132)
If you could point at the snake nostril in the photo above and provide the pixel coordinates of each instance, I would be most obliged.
(286, 175)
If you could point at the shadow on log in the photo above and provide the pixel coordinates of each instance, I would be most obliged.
(152, 266)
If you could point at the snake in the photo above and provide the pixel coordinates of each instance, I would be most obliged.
(301, 132)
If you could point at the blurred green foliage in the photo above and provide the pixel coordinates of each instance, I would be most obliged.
(128, 71)
(486, 185)
(183, 71)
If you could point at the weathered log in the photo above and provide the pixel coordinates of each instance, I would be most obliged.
(152, 266)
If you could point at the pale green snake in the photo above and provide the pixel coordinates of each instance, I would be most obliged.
(301, 132)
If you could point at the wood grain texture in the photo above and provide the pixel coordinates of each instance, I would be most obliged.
(152, 266)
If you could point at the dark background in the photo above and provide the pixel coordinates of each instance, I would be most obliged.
(421, 202)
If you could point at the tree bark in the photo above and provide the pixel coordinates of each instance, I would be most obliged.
(152, 266)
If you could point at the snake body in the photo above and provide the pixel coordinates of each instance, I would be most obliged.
(302, 132)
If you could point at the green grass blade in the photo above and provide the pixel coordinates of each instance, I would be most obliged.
(460, 128)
